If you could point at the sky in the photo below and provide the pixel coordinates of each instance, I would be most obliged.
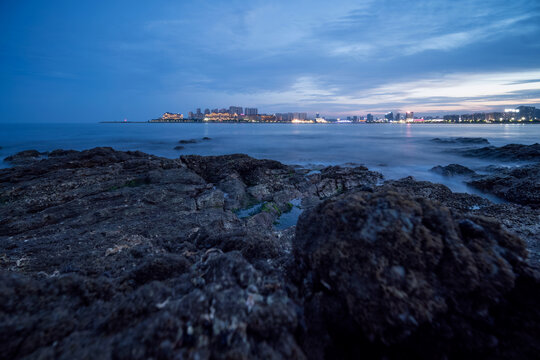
(67, 61)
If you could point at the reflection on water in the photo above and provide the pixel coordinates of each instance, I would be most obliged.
(396, 150)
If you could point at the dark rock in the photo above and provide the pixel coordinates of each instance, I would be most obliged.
(460, 202)
(453, 170)
(159, 268)
(251, 171)
(335, 180)
(206, 138)
(111, 254)
(461, 140)
(62, 152)
(383, 271)
(234, 192)
(510, 152)
(129, 255)
(519, 185)
(24, 157)
(190, 141)
(179, 147)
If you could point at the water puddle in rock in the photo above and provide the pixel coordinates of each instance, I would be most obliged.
(289, 218)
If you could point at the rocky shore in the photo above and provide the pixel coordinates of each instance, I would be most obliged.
(124, 255)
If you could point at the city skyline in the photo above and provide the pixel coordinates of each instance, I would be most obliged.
(88, 61)
(239, 114)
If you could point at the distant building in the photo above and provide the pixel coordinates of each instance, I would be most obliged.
(251, 111)
(221, 117)
(300, 116)
(172, 116)
(389, 116)
(409, 115)
(284, 117)
(369, 118)
(397, 117)
(190, 115)
(526, 113)
(235, 110)
(206, 111)
(268, 118)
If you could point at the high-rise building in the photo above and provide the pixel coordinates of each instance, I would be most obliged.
(199, 111)
(397, 117)
(369, 118)
(300, 116)
(389, 116)
(235, 110)
(526, 112)
(251, 111)
(206, 111)
(409, 115)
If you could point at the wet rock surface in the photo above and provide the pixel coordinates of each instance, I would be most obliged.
(385, 274)
(519, 185)
(510, 152)
(24, 157)
(461, 140)
(110, 254)
(453, 170)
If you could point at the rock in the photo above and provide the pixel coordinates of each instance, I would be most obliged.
(23, 157)
(190, 141)
(112, 254)
(460, 202)
(179, 147)
(461, 140)
(382, 269)
(250, 171)
(61, 152)
(206, 138)
(519, 185)
(520, 220)
(211, 199)
(234, 192)
(510, 152)
(261, 192)
(335, 179)
(453, 170)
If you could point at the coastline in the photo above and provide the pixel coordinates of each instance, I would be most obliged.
(326, 123)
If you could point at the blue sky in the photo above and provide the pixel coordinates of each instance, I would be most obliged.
(96, 60)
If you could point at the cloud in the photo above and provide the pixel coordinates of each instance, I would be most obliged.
(312, 55)
(475, 92)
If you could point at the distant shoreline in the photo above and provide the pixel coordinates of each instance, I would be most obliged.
(327, 123)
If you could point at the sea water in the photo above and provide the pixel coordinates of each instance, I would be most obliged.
(396, 150)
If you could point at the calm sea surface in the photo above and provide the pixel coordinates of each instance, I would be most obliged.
(396, 150)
